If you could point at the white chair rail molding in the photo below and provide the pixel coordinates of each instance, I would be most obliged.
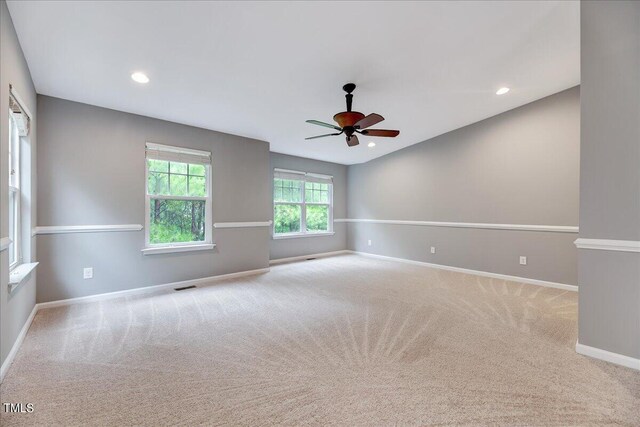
(66, 229)
(608, 245)
(4, 243)
(478, 225)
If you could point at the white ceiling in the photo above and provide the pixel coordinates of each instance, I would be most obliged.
(260, 69)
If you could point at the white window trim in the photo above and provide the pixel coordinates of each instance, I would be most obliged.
(172, 248)
(20, 274)
(163, 248)
(303, 207)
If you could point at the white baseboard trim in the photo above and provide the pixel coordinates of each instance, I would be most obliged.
(304, 257)
(18, 342)
(608, 245)
(607, 356)
(477, 225)
(149, 289)
(527, 280)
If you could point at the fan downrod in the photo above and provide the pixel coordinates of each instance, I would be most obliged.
(349, 87)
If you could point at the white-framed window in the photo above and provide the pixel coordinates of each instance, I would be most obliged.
(19, 123)
(302, 204)
(178, 199)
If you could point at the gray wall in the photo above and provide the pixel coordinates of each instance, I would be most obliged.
(610, 175)
(284, 248)
(519, 167)
(91, 169)
(15, 308)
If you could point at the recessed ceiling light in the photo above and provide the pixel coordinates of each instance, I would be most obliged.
(371, 144)
(502, 91)
(140, 77)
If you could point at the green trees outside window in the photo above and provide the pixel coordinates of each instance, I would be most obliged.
(317, 218)
(176, 221)
(180, 219)
(287, 218)
(301, 206)
(176, 179)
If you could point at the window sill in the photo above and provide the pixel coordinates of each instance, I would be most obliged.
(298, 235)
(178, 248)
(20, 274)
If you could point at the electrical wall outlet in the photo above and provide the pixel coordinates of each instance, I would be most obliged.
(433, 249)
(87, 273)
(523, 260)
(369, 242)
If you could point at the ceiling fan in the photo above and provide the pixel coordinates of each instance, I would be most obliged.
(354, 122)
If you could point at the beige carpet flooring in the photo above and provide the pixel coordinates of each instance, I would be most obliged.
(346, 340)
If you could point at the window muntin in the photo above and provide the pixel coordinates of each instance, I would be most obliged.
(178, 196)
(302, 203)
(176, 178)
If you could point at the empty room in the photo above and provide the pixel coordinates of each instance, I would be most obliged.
(354, 213)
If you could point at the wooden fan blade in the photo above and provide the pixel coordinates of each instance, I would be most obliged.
(381, 132)
(369, 120)
(353, 141)
(322, 136)
(327, 125)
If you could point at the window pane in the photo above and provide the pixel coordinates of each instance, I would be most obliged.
(178, 185)
(158, 165)
(173, 221)
(178, 167)
(317, 218)
(287, 218)
(158, 183)
(197, 186)
(316, 192)
(14, 152)
(290, 190)
(13, 230)
(197, 170)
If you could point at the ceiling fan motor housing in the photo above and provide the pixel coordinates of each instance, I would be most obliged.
(348, 118)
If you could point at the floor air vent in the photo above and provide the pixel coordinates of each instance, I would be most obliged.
(184, 288)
